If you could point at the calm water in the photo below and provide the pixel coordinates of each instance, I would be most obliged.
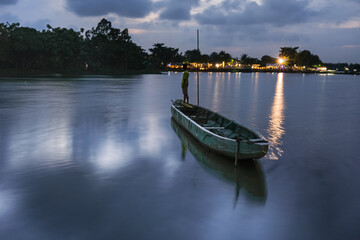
(100, 158)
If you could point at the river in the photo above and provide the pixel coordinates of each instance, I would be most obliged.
(98, 157)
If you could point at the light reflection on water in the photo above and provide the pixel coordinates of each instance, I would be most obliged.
(276, 120)
(97, 158)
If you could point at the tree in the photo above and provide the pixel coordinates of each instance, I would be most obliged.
(266, 59)
(193, 55)
(355, 67)
(214, 57)
(205, 58)
(337, 66)
(62, 49)
(289, 53)
(104, 47)
(222, 56)
(305, 58)
(26, 43)
(161, 55)
(6, 31)
(110, 48)
(246, 59)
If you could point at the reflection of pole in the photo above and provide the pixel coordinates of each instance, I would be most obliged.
(238, 142)
(237, 188)
(197, 76)
(197, 70)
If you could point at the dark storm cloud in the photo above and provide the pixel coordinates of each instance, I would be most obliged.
(8, 2)
(273, 12)
(177, 10)
(125, 8)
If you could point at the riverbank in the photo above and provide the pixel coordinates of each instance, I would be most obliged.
(266, 71)
(73, 73)
(70, 73)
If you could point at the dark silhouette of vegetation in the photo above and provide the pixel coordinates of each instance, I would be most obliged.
(301, 58)
(221, 56)
(289, 53)
(107, 49)
(110, 48)
(193, 55)
(99, 49)
(246, 59)
(161, 55)
(343, 67)
(305, 58)
(266, 59)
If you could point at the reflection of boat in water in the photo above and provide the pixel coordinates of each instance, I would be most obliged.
(219, 133)
(248, 175)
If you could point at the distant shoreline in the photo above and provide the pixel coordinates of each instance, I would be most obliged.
(266, 71)
(41, 73)
(54, 73)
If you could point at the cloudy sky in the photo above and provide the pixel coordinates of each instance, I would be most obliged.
(328, 28)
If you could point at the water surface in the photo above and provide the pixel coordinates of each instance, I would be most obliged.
(99, 158)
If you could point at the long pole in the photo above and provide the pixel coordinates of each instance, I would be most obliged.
(198, 39)
(197, 72)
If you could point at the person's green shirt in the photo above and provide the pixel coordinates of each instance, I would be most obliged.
(185, 79)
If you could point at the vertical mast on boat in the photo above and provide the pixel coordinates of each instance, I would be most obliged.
(197, 70)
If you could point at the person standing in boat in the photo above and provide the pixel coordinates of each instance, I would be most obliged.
(185, 83)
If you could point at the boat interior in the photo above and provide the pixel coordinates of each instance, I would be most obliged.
(216, 123)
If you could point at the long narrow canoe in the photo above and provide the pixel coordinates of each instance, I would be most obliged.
(218, 133)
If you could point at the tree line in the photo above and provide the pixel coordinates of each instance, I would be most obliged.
(104, 48)
(161, 55)
(100, 48)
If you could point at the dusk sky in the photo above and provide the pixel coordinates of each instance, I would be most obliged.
(328, 28)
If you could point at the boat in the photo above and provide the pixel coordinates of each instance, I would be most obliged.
(218, 133)
(248, 176)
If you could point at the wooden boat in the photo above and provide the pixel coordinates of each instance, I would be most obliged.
(219, 133)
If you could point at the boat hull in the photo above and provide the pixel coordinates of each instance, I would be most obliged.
(249, 174)
(222, 145)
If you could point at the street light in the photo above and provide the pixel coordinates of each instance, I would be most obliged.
(281, 61)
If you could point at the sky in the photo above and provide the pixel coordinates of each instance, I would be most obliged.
(328, 28)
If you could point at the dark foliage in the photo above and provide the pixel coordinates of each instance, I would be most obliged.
(246, 59)
(161, 55)
(101, 48)
(343, 67)
(266, 59)
(105, 48)
(301, 58)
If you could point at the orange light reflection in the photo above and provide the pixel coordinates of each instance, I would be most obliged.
(276, 121)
